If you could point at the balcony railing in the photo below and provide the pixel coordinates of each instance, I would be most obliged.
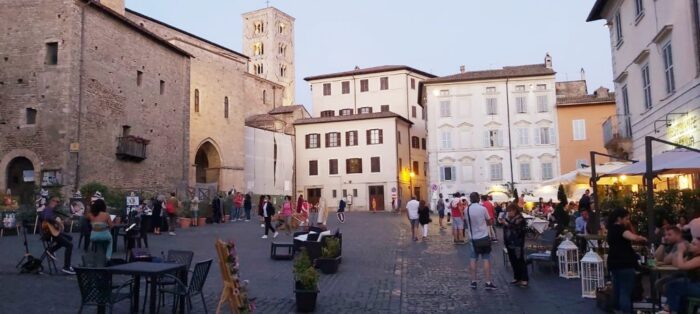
(131, 148)
(616, 128)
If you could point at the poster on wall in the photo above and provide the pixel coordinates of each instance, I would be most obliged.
(132, 202)
(28, 175)
(51, 178)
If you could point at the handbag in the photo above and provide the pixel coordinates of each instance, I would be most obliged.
(482, 245)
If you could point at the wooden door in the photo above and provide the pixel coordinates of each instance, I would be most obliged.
(376, 197)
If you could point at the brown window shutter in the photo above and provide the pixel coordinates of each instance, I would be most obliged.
(307, 140)
(347, 138)
(381, 137)
(369, 136)
(328, 137)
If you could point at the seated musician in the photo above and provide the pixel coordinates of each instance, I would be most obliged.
(53, 226)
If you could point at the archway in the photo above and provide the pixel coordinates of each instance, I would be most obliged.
(208, 164)
(20, 179)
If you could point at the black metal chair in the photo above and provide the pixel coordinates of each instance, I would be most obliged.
(47, 242)
(174, 256)
(180, 290)
(96, 288)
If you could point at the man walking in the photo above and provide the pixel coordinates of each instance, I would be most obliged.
(441, 211)
(479, 221)
(412, 214)
(216, 209)
(268, 211)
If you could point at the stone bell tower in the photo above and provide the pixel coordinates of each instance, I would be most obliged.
(268, 39)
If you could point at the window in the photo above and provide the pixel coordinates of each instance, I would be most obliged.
(313, 167)
(425, 169)
(364, 85)
(383, 83)
(281, 28)
(351, 138)
(618, 28)
(447, 173)
(496, 171)
(541, 87)
(523, 137)
(30, 117)
(422, 143)
(547, 172)
(384, 108)
(423, 114)
(415, 142)
(579, 127)
(519, 88)
(544, 136)
(353, 165)
(444, 92)
(375, 164)
(416, 168)
(258, 68)
(446, 139)
(542, 105)
(625, 101)
(445, 111)
(226, 107)
(646, 86)
(521, 104)
(139, 78)
(493, 138)
(196, 100)
(283, 71)
(345, 193)
(414, 112)
(333, 166)
(354, 192)
(333, 139)
(525, 173)
(398, 137)
(126, 130)
(413, 83)
(258, 27)
(335, 194)
(258, 49)
(491, 106)
(490, 90)
(162, 87)
(668, 68)
(467, 173)
(345, 112)
(400, 165)
(327, 113)
(264, 97)
(313, 140)
(362, 110)
(345, 87)
(639, 7)
(374, 136)
(282, 49)
(326, 89)
(51, 53)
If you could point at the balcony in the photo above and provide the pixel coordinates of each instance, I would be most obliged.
(131, 148)
(617, 135)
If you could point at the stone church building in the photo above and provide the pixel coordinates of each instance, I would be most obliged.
(91, 91)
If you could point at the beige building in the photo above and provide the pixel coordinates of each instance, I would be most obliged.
(580, 116)
(268, 38)
(656, 68)
(367, 139)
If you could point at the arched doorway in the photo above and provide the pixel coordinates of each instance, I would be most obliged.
(20, 179)
(208, 164)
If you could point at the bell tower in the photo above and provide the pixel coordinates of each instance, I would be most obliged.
(268, 39)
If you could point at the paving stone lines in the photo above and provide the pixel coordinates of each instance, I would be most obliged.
(383, 271)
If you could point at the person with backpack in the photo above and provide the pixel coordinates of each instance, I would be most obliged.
(424, 218)
(441, 211)
(268, 210)
(341, 210)
(216, 209)
(171, 207)
(479, 220)
(457, 221)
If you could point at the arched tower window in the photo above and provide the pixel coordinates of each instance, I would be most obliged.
(226, 107)
(196, 100)
(264, 97)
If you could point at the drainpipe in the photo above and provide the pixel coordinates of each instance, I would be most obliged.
(410, 141)
(81, 71)
(696, 32)
(354, 94)
(510, 142)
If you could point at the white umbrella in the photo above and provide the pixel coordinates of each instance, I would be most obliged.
(679, 160)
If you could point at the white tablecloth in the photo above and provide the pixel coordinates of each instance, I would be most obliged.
(538, 224)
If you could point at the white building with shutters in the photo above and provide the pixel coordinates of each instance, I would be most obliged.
(489, 128)
(366, 138)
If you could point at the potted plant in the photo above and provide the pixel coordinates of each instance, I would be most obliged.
(330, 256)
(184, 215)
(306, 283)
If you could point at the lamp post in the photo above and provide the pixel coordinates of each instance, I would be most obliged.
(595, 220)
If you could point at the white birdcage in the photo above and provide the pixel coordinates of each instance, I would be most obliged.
(591, 274)
(567, 252)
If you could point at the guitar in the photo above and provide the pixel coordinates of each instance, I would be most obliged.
(54, 228)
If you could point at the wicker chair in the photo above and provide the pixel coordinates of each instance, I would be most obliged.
(96, 288)
(180, 290)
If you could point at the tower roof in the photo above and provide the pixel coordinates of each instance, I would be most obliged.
(269, 9)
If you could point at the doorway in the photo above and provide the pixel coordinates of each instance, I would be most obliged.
(313, 195)
(416, 193)
(208, 164)
(20, 179)
(376, 197)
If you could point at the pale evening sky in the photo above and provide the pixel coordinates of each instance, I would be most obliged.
(434, 36)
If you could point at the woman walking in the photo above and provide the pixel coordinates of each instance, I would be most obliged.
(424, 218)
(261, 202)
(622, 260)
(341, 210)
(322, 211)
(286, 214)
(514, 227)
(101, 224)
(247, 206)
(156, 219)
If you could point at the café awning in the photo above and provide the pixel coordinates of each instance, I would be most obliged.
(672, 161)
(583, 175)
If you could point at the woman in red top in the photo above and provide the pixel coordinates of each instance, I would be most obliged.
(456, 209)
(300, 202)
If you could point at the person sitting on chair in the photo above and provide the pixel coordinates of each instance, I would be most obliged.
(53, 227)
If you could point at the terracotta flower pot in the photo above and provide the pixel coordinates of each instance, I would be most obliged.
(185, 222)
(201, 221)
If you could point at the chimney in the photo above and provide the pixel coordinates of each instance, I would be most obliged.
(548, 61)
(115, 5)
(357, 67)
(602, 92)
(583, 74)
(462, 68)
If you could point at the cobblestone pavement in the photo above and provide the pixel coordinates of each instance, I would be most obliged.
(383, 271)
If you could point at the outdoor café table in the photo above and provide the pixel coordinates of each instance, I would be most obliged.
(655, 272)
(151, 270)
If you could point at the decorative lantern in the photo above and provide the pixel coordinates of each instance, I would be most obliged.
(591, 274)
(568, 260)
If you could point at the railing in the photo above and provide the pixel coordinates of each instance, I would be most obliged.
(131, 148)
(615, 128)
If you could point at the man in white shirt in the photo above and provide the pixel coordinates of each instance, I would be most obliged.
(412, 213)
(478, 222)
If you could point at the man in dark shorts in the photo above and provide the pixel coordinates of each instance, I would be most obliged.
(441, 210)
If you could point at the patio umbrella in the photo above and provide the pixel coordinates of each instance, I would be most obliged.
(677, 160)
